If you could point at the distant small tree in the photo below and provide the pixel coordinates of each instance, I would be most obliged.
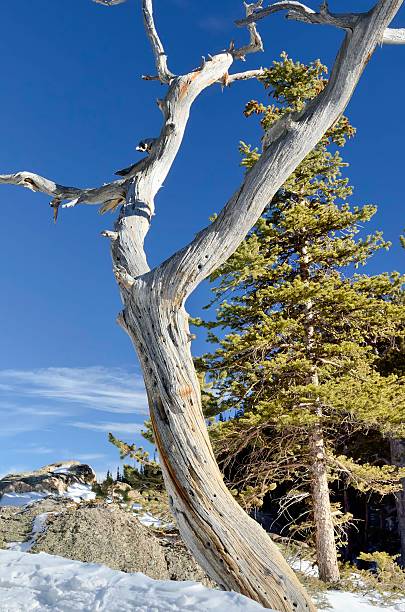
(297, 359)
(144, 476)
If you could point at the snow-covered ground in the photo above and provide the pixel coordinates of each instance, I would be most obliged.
(46, 583)
(43, 583)
(347, 602)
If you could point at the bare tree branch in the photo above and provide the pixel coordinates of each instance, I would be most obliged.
(293, 139)
(244, 76)
(394, 36)
(301, 12)
(107, 194)
(109, 2)
(157, 47)
(255, 43)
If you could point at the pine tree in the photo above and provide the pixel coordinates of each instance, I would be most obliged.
(144, 476)
(392, 360)
(297, 359)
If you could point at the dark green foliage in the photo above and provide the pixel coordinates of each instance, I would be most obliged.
(303, 252)
(145, 474)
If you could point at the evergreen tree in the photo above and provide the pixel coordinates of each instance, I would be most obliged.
(392, 360)
(297, 360)
(144, 476)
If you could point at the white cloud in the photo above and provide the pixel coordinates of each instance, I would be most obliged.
(35, 449)
(128, 428)
(114, 390)
(14, 427)
(90, 456)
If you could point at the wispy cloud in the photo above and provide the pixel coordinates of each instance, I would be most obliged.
(113, 390)
(90, 456)
(127, 428)
(34, 449)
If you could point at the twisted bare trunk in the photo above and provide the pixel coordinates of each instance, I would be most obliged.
(233, 548)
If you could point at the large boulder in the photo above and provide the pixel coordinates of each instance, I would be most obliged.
(103, 534)
(98, 533)
(55, 479)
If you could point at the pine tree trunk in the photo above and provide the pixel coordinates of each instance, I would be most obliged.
(326, 553)
(324, 530)
(398, 459)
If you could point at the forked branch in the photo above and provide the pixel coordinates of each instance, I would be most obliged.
(294, 139)
(255, 43)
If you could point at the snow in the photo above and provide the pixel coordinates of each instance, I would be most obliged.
(77, 492)
(46, 583)
(304, 566)
(149, 520)
(23, 499)
(80, 492)
(65, 468)
(348, 602)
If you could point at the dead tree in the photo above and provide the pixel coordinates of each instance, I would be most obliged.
(232, 547)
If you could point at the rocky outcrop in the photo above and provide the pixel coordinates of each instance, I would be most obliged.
(54, 479)
(98, 533)
(103, 534)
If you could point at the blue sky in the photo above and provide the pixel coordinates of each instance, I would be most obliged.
(73, 108)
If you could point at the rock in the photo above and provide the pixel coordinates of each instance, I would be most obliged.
(104, 534)
(100, 533)
(52, 479)
(16, 524)
(90, 532)
(182, 565)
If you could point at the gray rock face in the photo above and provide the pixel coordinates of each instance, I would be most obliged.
(100, 533)
(103, 534)
(54, 478)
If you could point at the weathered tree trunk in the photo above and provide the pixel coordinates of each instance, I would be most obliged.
(398, 459)
(233, 549)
